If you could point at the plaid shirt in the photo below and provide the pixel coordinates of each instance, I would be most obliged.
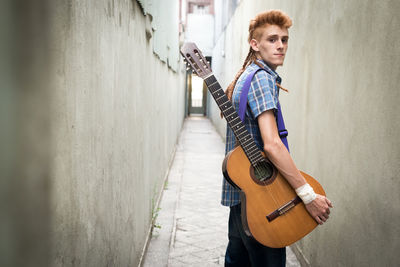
(263, 95)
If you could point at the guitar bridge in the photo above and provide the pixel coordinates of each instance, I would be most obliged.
(284, 209)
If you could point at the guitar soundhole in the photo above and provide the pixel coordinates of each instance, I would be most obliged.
(263, 172)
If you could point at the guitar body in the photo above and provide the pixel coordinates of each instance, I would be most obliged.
(260, 199)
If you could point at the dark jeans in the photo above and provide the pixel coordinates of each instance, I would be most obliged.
(243, 250)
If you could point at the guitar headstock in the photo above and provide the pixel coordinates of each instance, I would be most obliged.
(195, 59)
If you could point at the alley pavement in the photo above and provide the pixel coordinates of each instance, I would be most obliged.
(191, 224)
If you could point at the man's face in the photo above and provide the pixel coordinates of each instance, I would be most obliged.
(272, 45)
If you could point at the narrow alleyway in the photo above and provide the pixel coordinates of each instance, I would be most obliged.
(191, 224)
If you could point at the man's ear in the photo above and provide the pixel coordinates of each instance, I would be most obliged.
(254, 45)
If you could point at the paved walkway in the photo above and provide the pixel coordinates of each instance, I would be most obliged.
(191, 224)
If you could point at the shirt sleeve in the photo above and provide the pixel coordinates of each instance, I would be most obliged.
(261, 97)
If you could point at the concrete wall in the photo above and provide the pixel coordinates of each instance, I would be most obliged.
(224, 10)
(164, 25)
(342, 70)
(93, 116)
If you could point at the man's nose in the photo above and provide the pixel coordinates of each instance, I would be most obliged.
(279, 44)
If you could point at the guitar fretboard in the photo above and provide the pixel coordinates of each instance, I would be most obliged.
(235, 123)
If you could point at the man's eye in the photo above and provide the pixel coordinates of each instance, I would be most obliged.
(272, 40)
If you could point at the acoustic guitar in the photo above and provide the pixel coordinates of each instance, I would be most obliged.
(272, 213)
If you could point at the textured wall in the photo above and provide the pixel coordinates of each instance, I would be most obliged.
(165, 24)
(342, 70)
(117, 111)
(92, 118)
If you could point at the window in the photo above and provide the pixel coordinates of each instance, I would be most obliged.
(201, 9)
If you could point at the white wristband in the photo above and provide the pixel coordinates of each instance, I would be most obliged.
(306, 193)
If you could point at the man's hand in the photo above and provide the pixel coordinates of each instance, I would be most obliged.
(319, 208)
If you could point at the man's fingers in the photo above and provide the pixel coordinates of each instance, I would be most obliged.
(329, 202)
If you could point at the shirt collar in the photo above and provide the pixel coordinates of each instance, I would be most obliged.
(270, 71)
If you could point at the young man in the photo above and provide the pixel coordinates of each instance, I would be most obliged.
(268, 39)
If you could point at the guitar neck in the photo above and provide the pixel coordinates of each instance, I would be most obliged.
(235, 123)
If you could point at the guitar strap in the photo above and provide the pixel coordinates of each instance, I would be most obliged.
(283, 133)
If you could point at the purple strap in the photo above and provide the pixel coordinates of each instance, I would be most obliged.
(283, 133)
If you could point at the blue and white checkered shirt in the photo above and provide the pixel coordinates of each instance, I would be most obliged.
(263, 95)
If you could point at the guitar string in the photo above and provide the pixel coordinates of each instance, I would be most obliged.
(264, 183)
(267, 187)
